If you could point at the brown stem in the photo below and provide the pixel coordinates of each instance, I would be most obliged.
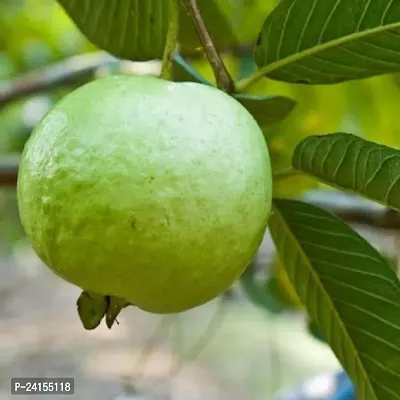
(222, 76)
(63, 72)
(9, 170)
(72, 70)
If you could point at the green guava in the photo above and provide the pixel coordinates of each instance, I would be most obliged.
(153, 191)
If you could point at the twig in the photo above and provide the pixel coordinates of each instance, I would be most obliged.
(222, 76)
(285, 174)
(75, 68)
(354, 209)
(9, 170)
(171, 41)
(63, 72)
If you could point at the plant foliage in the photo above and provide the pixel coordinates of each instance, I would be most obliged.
(352, 163)
(350, 292)
(330, 41)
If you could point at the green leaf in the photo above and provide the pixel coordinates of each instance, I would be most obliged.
(282, 289)
(115, 306)
(137, 29)
(348, 162)
(229, 22)
(275, 290)
(275, 294)
(391, 260)
(256, 291)
(314, 330)
(130, 29)
(91, 309)
(185, 72)
(330, 41)
(348, 289)
(217, 23)
(267, 109)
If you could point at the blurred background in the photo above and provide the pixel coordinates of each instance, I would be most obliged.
(251, 343)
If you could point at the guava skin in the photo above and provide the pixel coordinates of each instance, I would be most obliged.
(153, 191)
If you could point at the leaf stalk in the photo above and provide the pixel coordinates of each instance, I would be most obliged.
(171, 40)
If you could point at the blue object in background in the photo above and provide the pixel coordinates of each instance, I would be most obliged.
(329, 386)
(345, 388)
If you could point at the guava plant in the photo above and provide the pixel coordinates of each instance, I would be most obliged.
(173, 181)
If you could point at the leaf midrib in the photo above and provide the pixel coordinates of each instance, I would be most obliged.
(267, 69)
(321, 287)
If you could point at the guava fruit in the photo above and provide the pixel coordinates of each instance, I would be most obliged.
(153, 191)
